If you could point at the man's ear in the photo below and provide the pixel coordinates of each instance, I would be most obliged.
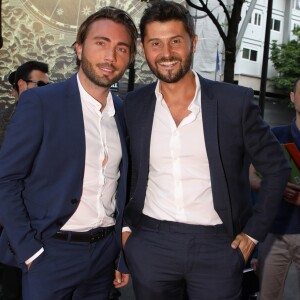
(78, 49)
(194, 43)
(22, 85)
(292, 97)
(143, 50)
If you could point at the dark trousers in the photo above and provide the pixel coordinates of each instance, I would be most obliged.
(167, 258)
(72, 270)
(11, 283)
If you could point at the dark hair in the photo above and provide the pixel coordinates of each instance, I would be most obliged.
(11, 78)
(163, 11)
(295, 85)
(23, 71)
(118, 16)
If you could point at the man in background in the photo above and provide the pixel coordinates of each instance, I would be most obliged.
(29, 75)
(281, 247)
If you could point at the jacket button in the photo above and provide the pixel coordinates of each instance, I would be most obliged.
(74, 201)
(59, 223)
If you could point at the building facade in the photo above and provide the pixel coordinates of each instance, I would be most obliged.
(249, 57)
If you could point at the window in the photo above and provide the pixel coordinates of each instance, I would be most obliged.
(275, 25)
(249, 54)
(297, 4)
(257, 19)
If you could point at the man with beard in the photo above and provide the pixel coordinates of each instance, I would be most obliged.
(63, 171)
(191, 140)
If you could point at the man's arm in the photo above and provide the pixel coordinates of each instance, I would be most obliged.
(17, 157)
(267, 157)
(291, 192)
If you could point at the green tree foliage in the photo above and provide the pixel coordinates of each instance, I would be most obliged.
(286, 60)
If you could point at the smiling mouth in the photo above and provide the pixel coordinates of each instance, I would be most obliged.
(168, 64)
(107, 68)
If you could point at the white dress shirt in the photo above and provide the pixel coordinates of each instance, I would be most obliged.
(179, 184)
(103, 156)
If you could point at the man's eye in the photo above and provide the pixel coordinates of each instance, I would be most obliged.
(177, 41)
(155, 44)
(123, 50)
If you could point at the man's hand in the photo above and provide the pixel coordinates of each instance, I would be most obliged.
(120, 279)
(125, 236)
(245, 244)
(292, 194)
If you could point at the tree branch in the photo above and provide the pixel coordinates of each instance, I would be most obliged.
(226, 12)
(205, 9)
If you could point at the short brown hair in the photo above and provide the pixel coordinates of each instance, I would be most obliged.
(118, 16)
(163, 11)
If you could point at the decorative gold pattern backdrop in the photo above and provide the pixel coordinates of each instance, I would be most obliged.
(44, 30)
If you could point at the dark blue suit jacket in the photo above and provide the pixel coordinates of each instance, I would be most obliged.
(287, 220)
(234, 135)
(42, 167)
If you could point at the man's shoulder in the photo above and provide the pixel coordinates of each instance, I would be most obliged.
(282, 133)
(222, 88)
(142, 91)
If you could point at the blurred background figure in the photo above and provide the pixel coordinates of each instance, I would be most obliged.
(281, 248)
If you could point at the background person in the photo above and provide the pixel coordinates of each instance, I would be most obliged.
(37, 73)
(281, 248)
(29, 75)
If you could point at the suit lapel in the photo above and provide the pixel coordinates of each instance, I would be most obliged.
(74, 120)
(220, 191)
(209, 107)
(121, 129)
(146, 118)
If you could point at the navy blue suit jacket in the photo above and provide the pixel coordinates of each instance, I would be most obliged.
(42, 164)
(234, 135)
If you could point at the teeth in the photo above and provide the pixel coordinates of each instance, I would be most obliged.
(107, 70)
(168, 63)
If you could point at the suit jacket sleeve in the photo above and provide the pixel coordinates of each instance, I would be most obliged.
(268, 158)
(17, 158)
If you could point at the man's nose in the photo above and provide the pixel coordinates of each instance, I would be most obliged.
(110, 54)
(167, 50)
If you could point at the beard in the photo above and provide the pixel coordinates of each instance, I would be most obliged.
(171, 77)
(102, 81)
